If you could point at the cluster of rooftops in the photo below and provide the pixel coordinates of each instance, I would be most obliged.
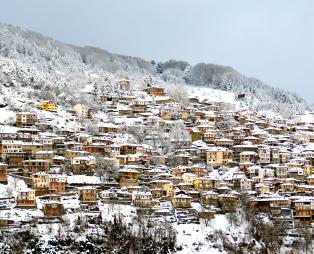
(218, 155)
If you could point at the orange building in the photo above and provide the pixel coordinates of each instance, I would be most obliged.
(57, 183)
(156, 91)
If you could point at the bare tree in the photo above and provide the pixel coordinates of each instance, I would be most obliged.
(106, 168)
(227, 122)
(179, 135)
(179, 94)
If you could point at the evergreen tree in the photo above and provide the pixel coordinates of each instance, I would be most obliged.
(159, 68)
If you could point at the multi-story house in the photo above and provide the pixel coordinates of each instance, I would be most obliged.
(30, 148)
(57, 183)
(217, 156)
(9, 147)
(83, 165)
(203, 184)
(264, 153)
(303, 211)
(48, 105)
(52, 208)
(109, 128)
(26, 119)
(142, 199)
(82, 111)
(281, 171)
(44, 155)
(40, 181)
(248, 157)
(34, 166)
(25, 198)
(28, 134)
(181, 201)
(3, 173)
(88, 195)
(224, 142)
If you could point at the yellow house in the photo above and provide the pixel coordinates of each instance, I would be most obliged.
(308, 169)
(31, 148)
(25, 198)
(40, 181)
(215, 156)
(181, 201)
(126, 182)
(287, 187)
(248, 156)
(88, 195)
(48, 105)
(261, 188)
(184, 114)
(165, 185)
(142, 199)
(129, 173)
(170, 189)
(195, 134)
(310, 180)
(209, 137)
(189, 177)
(203, 184)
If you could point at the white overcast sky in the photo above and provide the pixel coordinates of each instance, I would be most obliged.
(272, 40)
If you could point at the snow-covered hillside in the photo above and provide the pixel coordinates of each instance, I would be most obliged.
(31, 60)
(214, 95)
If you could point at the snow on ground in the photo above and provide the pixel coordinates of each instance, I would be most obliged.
(270, 114)
(70, 202)
(8, 128)
(214, 95)
(9, 189)
(191, 237)
(48, 231)
(60, 119)
(83, 179)
(128, 121)
(108, 211)
(12, 213)
(197, 206)
(6, 115)
(307, 118)
(21, 214)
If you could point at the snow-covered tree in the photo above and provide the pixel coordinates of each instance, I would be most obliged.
(179, 93)
(179, 135)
